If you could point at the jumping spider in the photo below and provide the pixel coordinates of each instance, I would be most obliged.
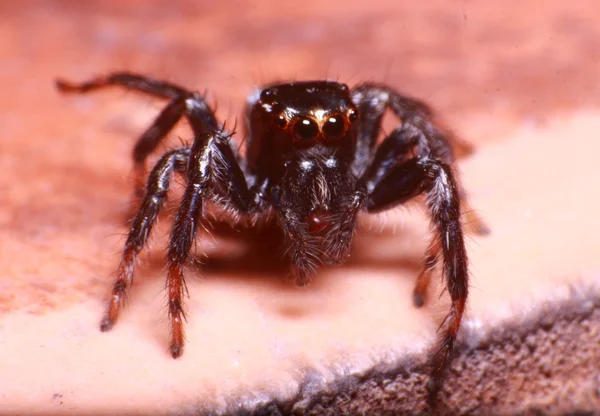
(313, 161)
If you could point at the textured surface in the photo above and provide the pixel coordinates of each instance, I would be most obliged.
(546, 362)
(520, 82)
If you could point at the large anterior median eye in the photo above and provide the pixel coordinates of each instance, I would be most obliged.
(305, 129)
(334, 127)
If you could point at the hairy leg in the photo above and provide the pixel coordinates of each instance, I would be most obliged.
(436, 179)
(443, 201)
(430, 138)
(212, 169)
(141, 225)
(183, 102)
(394, 150)
(431, 259)
(302, 249)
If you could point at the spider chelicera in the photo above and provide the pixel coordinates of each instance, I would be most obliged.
(312, 161)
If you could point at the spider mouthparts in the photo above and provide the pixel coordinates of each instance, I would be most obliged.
(316, 222)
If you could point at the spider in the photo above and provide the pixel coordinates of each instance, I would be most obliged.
(313, 163)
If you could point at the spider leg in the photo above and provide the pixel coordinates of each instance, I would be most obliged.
(141, 225)
(128, 80)
(150, 139)
(431, 259)
(212, 171)
(199, 115)
(436, 179)
(476, 224)
(375, 98)
(183, 102)
(372, 100)
(371, 106)
(416, 158)
(394, 149)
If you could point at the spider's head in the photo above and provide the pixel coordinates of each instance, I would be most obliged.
(302, 136)
(310, 112)
(307, 134)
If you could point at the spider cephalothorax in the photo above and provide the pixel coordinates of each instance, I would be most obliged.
(314, 162)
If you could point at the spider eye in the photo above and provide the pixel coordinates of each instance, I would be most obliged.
(352, 115)
(334, 127)
(305, 129)
(266, 93)
(281, 121)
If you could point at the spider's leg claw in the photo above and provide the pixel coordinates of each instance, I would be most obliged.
(106, 324)
(176, 350)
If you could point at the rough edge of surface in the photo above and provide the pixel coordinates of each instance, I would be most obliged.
(546, 361)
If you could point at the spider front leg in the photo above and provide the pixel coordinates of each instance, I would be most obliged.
(212, 169)
(183, 102)
(141, 225)
(436, 179)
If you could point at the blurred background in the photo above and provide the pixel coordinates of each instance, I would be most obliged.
(487, 67)
(514, 59)
(494, 71)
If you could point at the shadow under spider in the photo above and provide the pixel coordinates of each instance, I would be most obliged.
(259, 254)
(257, 257)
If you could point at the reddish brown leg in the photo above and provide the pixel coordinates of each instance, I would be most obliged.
(156, 191)
(182, 236)
(443, 200)
(402, 183)
(431, 259)
(124, 279)
(176, 289)
(210, 156)
(472, 221)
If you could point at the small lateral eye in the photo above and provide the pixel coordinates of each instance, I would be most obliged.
(334, 127)
(305, 129)
(281, 121)
(352, 114)
(266, 93)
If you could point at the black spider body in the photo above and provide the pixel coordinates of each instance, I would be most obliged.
(313, 161)
(301, 147)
